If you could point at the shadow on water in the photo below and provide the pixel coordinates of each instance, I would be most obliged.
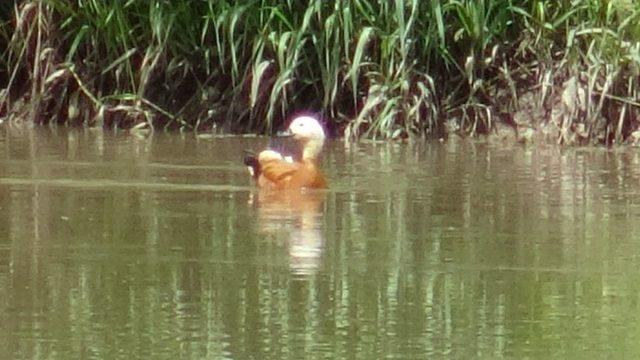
(117, 247)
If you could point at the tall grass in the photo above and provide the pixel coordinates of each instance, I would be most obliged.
(380, 69)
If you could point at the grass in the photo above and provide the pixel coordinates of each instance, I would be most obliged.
(382, 70)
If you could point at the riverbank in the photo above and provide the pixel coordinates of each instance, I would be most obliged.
(562, 71)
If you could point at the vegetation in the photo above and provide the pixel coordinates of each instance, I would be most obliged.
(567, 69)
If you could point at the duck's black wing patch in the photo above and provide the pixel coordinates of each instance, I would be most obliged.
(251, 160)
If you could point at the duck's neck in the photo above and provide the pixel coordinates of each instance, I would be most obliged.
(311, 149)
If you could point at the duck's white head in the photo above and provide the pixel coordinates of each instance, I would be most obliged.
(310, 133)
(306, 128)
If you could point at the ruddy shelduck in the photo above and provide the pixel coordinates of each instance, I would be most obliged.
(272, 170)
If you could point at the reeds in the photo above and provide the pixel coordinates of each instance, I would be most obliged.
(380, 69)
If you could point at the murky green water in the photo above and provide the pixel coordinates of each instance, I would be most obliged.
(117, 247)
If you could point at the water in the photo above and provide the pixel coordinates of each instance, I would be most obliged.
(113, 246)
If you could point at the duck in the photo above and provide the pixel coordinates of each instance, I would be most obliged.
(272, 170)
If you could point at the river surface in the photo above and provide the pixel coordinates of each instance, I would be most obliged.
(117, 246)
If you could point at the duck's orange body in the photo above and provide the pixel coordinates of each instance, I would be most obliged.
(280, 174)
(273, 171)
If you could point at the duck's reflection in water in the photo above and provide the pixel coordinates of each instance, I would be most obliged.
(296, 217)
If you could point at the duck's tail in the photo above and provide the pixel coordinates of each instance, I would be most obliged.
(251, 160)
